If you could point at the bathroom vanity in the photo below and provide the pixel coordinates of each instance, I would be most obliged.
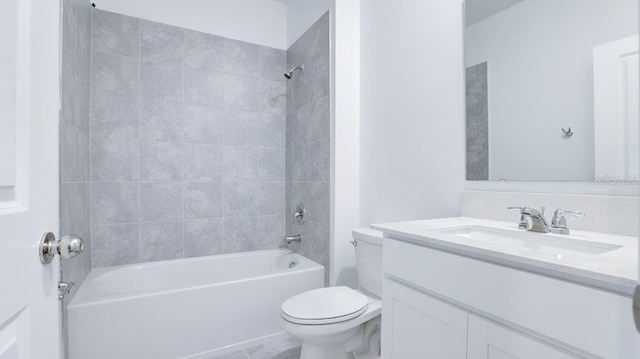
(471, 288)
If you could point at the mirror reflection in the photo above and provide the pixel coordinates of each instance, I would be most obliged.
(552, 90)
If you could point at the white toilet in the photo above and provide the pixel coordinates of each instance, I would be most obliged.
(340, 322)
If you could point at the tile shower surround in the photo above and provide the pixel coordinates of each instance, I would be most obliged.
(477, 123)
(308, 141)
(74, 136)
(187, 143)
(74, 144)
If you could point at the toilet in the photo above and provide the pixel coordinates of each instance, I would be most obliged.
(340, 322)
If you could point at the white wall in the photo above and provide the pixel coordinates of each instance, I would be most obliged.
(301, 14)
(540, 58)
(412, 109)
(346, 138)
(262, 22)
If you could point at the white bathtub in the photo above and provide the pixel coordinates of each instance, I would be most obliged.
(185, 307)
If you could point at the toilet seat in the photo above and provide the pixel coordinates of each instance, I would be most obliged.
(324, 306)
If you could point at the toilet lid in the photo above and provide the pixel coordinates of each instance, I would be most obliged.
(325, 305)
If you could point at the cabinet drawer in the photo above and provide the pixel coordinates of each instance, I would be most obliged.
(488, 340)
(581, 318)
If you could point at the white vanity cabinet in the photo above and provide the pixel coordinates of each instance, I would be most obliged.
(447, 306)
(417, 326)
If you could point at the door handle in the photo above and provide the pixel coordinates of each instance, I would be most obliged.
(67, 247)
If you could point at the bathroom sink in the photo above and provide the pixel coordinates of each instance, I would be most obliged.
(540, 242)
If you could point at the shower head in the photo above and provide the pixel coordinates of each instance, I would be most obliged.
(289, 74)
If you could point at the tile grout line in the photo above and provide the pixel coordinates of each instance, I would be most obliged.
(89, 180)
(184, 152)
(138, 137)
(223, 150)
(260, 91)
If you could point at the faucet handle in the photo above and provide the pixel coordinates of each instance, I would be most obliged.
(562, 212)
(559, 217)
(559, 220)
(524, 224)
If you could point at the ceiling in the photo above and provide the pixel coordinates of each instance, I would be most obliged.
(478, 10)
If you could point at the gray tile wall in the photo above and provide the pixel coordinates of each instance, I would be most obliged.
(74, 136)
(477, 123)
(74, 144)
(187, 143)
(308, 141)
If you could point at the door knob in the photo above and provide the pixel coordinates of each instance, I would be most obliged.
(68, 247)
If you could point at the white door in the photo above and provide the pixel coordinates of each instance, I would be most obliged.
(616, 119)
(29, 106)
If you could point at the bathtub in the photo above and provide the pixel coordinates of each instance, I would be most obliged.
(186, 307)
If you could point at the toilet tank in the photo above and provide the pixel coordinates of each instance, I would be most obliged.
(369, 259)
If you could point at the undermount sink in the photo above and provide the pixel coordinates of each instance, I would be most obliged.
(545, 243)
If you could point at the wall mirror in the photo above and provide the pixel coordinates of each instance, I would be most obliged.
(552, 90)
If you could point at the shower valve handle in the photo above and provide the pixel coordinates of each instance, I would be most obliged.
(298, 216)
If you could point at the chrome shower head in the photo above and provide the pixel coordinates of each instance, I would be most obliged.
(289, 74)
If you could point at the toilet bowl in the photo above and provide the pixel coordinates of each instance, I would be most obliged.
(340, 322)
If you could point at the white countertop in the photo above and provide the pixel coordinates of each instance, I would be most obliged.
(615, 270)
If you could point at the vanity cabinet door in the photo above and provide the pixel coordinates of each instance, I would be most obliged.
(491, 341)
(418, 326)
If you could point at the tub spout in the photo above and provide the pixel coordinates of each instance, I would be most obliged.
(293, 239)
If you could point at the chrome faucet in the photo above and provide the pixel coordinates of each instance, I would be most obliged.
(293, 239)
(533, 220)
